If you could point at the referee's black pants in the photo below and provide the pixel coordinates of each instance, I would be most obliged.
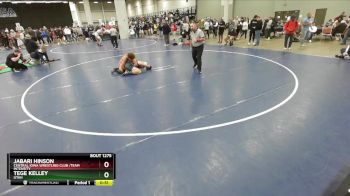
(114, 41)
(197, 56)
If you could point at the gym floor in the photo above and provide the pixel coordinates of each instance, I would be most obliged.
(255, 122)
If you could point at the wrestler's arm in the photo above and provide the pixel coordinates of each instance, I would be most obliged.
(122, 62)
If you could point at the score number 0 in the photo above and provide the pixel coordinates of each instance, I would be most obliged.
(106, 165)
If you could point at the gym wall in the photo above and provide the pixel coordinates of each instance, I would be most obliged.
(266, 8)
(269, 7)
(334, 7)
(101, 10)
(37, 15)
(139, 7)
(210, 8)
(249, 8)
(106, 11)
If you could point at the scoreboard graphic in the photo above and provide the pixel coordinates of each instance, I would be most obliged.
(82, 169)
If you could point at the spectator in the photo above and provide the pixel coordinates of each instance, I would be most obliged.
(239, 27)
(186, 29)
(340, 28)
(253, 24)
(166, 32)
(155, 28)
(306, 26)
(312, 31)
(245, 26)
(268, 28)
(346, 35)
(258, 29)
(20, 38)
(290, 28)
(231, 35)
(67, 34)
(221, 30)
(215, 28)
(12, 39)
(340, 17)
(206, 27)
(44, 36)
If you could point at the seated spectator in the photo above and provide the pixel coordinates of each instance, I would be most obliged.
(340, 17)
(312, 30)
(340, 28)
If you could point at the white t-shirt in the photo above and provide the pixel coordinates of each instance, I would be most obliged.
(206, 25)
(268, 25)
(185, 26)
(19, 28)
(245, 25)
(21, 36)
(67, 31)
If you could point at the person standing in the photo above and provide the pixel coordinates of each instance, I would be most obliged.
(221, 30)
(290, 28)
(173, 30)
(197, 42)
(186, 29)
(206, 27)
(258, 29)
(20, 38)
(252, 27)
(160, 30)
(155, 28)
(245, 27)
(67, 34)
(114, 36)
(268, 29)
(12, 39)
(306, 26)
(215, 28)
(60, 35)
(166, 33)
(44, 36)
(345, 36)
(239, 27)
(137, 30)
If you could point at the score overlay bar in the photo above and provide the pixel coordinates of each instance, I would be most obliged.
(61, 168)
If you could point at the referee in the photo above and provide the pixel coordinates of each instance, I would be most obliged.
(197, 42)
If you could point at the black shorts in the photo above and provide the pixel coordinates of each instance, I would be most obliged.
(221, 31)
